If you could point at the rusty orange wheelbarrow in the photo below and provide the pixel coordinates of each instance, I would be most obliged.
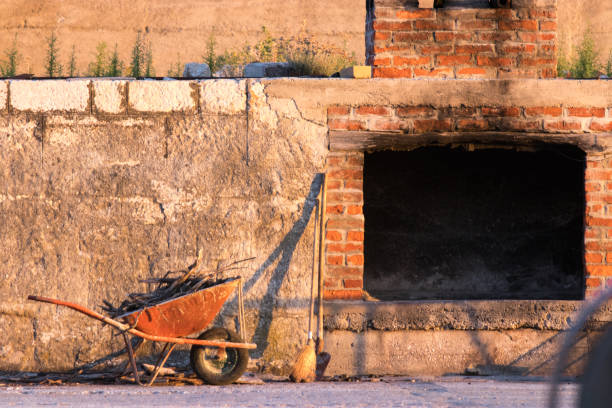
(218, 356)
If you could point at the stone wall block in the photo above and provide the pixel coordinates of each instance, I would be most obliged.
(161, 96)
(50, 95)
(3, 96)
(109, 96)
(223, 96)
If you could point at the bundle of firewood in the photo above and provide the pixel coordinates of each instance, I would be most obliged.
(172, 285)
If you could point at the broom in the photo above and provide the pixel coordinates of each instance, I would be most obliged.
(323, 358)
(306, 362)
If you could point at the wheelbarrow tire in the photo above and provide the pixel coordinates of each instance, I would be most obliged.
(214, 370)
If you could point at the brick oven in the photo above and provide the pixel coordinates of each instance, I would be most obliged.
(450, 197)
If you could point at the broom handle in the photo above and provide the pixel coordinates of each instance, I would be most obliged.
(322, 228)
(312, 280)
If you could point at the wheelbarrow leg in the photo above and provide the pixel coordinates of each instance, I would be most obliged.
(128, 345)
(127, 365)
(163, 357)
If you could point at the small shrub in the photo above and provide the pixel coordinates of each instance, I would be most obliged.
(72, 69)
(115, 65)
(587, 64)
(99, 66)
(609, 65)
(148, 61)
(176, 69)
(53, 68)
(138, 57)
(307, 57)
(8, 68)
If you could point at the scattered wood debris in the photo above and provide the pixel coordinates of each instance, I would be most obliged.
(172, 285)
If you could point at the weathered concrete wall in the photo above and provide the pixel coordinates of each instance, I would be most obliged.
(107, 182)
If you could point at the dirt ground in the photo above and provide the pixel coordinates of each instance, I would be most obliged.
(179, 29)
(470, 392)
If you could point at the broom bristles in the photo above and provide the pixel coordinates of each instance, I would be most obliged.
(304, 369)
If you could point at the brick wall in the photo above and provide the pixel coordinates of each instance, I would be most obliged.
(404, 41)
(345, 226)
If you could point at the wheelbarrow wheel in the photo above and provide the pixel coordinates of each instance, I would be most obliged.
(215, 365)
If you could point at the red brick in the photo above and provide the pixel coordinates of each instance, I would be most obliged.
(548, 26)
(533, 62)
(517, 49)
(412, 37)
(346, 294)
(545, 37)
(372, 110)
(609, 257)
(544, 111)
(353, 283)
(381, 62)
(598, 174)
(591, 187)
(599, 270)
(354, 210)
(398, 61)
(335, 259)
(496, 36)
(345, 124)
(528, 37)
(496, 13)
(433, 25)
(494, 62)
(345, 197)
(477, 24)
(598, 246)
(345, 247)
(334, 185)
(501, 111)
(598, 222)
(346, 174)
(453, 59)
(354, 260)
(474, 48)
(562, 125)
(593, 258)
(353, 185)
(442, 36)
(356, 160)
(431, 125)
(418, 111)
(356, 236)
(392, 25)
(592, 233)
(389, 125)
(512, 25)
(601, 126)
(381, 36)
(587, 112)
(472, 124)
(331, 283)
(593, 282)
(595, 164)
(547, 49)
(338, 111)
(436, 49)
(345, 271)
(345, 223)
(392, 73)
(333, 236)
(335, 209)
(592, 294)
(414, 14)
(471, 71)
(433, 73)
(542, 13)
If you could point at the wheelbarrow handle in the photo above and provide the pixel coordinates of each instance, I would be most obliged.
(126, 328)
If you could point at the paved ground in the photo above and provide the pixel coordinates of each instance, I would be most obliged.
(389, 392)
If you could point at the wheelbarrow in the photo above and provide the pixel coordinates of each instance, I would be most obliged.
(218, 356)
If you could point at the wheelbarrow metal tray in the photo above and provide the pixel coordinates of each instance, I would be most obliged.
(184, 315)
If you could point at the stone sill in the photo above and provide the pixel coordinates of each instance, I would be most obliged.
(358, 316)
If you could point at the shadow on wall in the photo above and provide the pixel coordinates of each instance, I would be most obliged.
(282, 256)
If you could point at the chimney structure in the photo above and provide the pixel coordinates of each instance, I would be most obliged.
(464, 39)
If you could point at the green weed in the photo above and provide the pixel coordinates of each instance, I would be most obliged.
(53, 68)
(8, 68)
(72, 69)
